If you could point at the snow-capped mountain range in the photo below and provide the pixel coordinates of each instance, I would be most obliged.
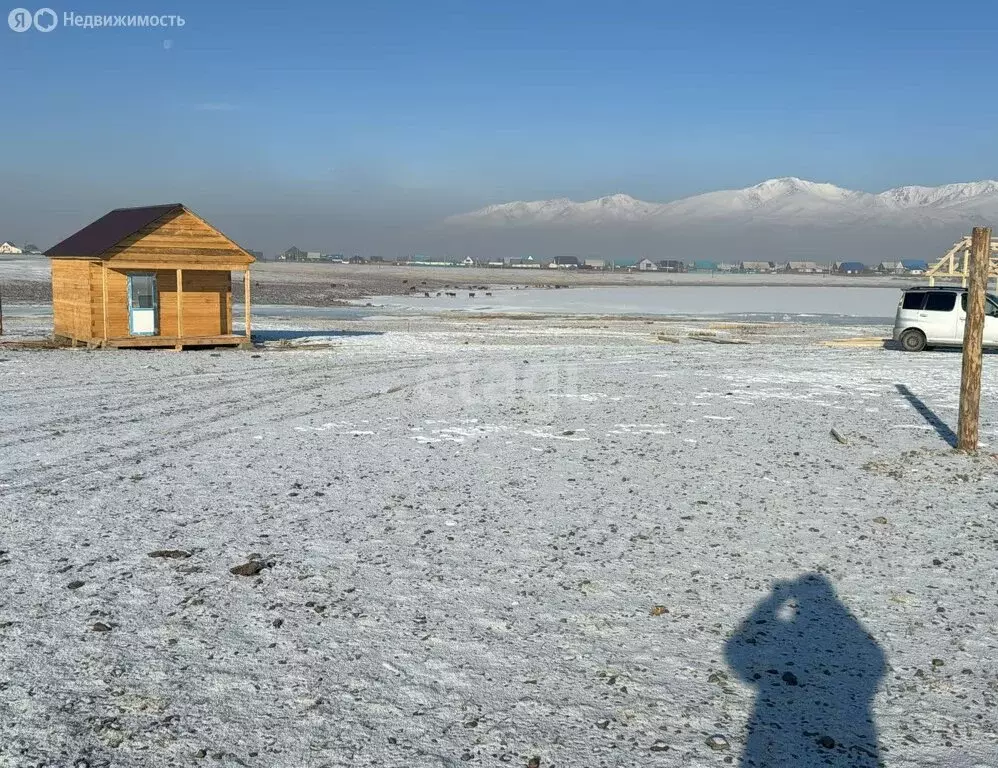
(788, 200)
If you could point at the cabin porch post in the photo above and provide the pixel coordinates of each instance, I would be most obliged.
(180, 310)
(246, 301)
(103, 277)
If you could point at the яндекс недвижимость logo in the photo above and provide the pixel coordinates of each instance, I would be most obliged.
(21, 20)
(45, 20)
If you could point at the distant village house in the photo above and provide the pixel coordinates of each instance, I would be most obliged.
(804, 267)
(903, 267)
(757, 266)
(914, 266)
(850, 267)
(522, 262)
(564, 262)
(671, 265)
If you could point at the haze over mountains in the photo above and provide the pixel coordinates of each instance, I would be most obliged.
(779, 201)
(777, 219)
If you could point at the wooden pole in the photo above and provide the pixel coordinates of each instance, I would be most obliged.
(180, 310)
(973, 339)
(1, 311)
(246, 300)
(104, 319)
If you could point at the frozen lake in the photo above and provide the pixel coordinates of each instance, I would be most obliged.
(808, 304)
(819, 304)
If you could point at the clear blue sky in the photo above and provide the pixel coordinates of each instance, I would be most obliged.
(423, 107)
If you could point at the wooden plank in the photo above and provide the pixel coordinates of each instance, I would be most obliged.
(246, 301)
(171, 234)
(861, 341)
(174, 341)
(96, 278)
(179, 243)
(116, 304)
(171, 264)
(968, 429)
(172, 261)
(180, 305)
(104, 303)
(199, 250)
(227, 324)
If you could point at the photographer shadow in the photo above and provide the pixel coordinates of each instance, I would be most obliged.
(815, 669)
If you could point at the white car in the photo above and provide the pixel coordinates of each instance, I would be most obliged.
(928, 317)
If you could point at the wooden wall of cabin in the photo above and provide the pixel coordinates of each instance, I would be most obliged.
(117, 303)
(71, 304)
(207, 302)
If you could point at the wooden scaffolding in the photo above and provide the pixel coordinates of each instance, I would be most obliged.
(956, 262)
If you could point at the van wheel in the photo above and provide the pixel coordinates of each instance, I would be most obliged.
(913, 340)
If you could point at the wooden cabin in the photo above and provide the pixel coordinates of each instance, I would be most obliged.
(158, 276)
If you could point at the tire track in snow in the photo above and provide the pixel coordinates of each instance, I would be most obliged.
(146, 448)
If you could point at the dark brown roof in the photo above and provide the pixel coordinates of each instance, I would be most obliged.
(110, 229)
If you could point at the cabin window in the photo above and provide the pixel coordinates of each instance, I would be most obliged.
(913, 300)
(143, 312)
(143, 291)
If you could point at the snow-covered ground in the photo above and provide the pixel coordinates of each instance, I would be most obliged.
(480, 546)
(25, 267)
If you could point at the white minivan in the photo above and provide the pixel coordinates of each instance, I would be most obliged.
(928, 317)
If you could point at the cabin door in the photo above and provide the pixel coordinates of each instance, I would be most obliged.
(143, 305)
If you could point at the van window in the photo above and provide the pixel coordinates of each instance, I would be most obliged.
(990, 304)
(942, 301)
(913, 300)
